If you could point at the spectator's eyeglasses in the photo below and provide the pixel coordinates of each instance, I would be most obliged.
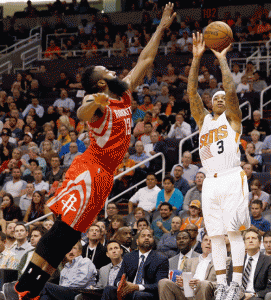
(191, 229)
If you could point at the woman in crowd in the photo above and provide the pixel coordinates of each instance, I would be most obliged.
(116, 223)
(139, 213)
(257, 194)
(195, 215)
(255, 136)
(47, 151)
(37, 209)
(163, 126)
(9, 211)
(170, 194)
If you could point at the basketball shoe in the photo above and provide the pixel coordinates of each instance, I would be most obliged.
(234, 291)
(24, 295)
(221, 292)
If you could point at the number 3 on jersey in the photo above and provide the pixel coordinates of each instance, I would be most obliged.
(220, 145)
(128, 125)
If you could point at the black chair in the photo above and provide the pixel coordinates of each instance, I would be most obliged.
(266, 158)
(267, 167)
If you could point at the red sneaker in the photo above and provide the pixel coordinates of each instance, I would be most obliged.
(25, 295)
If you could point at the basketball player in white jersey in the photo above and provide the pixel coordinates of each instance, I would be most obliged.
(225, 189)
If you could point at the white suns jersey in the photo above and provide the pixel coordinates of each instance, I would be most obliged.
(219, 145)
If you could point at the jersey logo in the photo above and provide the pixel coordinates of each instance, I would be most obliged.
(213, 136)
(68, 205)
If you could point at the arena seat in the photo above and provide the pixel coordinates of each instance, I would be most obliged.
(267, 215)
(267, 167)
(263, 177)
(266, 157)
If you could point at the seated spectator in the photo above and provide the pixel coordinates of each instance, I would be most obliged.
(195, 215)
(258, 83)
(74, 138)
(195, 241)
(65, 119)
(267, 187)
(111, 210)
(260, 266)
(16, 160)
(47, 152)
(194, 192)
(70, 156)
(145, 197)
(137, 113)
(15, 186)
(36, 234)
(50, 136)
(236, 74)
(124, 237)
(56, 172)
(64, 101)
(162, 224)
(147, 106)
(39, 184)
(10, 242)
(255, 136)
(156, 88)
(24, 144)
(170, 77)
(139, 128)
(257, 194)
(180, 183)
(6, 147)
(77, 85)
(167, 244)
(48, 224)
(184, 28)
(52, 51)
(164, 96)
(257, 123)
(22, 245)
(94, 250)
(123, 182)
(18, 123)
(33, 153)
(267, 144)
(7, 258)
(172, 107)
(140, 155)
(267, 243)
(145, 137)
(138, 214)
(189, 170)
(170, 194)
(64, 137)
(163, 126)
(180, 129)
(37, 209)
(34, 104)
(248, 168)
(257, 221)
(103, 239)
(204, 276)
(251, 158)
(78, 273)
(154, 269)
(108, 273)
(25, 200)
(34, 165)
(9, 211)
(117, 222)
(184, 41)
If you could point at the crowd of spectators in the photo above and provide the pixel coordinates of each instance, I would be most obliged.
(39, 142)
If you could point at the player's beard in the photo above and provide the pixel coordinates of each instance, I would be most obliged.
(117, 86)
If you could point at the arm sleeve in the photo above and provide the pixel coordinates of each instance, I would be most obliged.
(135, 198)
(178, 199)
(159, 199)
(26, 111)
(187, 199)
(171, 133)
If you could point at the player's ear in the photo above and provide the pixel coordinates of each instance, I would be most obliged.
(102, 84)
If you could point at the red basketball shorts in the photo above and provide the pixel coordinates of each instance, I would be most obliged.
(83, 193)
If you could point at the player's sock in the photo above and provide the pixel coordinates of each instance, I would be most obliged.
(52, 247)
(237, 253)
(219, 254)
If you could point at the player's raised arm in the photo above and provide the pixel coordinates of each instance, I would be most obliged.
(197, 108)
(90, 104)
(233, 111)
(148, 54)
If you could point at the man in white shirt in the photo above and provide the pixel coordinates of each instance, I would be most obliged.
(257, 268)
(180, 129)
(184, 41)
(39, 184)
(64, 101)
(26, 199)
(189, 170)
(7, 257)
(35, 104)
(70, 156)
(236, 74)
(145, 197)
(22, 245)
(204, 276)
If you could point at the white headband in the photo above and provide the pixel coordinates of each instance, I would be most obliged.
(217, 93)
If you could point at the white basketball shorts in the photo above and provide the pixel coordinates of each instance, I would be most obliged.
(225, 201)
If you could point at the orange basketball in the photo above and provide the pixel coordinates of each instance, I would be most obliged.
(218, 35)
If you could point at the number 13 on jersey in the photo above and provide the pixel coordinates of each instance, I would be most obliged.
(128, 126)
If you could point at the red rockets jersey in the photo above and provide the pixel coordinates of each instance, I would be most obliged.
(110, 135)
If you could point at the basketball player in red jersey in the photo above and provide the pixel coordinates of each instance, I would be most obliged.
(88, 182)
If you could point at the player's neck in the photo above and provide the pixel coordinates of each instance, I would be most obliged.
(216, 116)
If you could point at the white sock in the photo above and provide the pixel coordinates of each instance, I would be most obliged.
(237, 253)
(219, 254)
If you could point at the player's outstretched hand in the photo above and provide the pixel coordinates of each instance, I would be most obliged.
(168, 16)
(198, 44)
(223, 53)
(99, 98)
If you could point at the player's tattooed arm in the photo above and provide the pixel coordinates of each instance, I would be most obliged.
(91, 106)
(197, 108)
(147, 56)
(233, 111)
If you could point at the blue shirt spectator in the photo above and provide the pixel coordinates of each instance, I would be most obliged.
(140, 155)
(176, 199)
(267, 144)
(66, 148)
(262, 224)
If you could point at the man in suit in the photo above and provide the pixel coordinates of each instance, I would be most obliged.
(94, 250)
(143, 269)
(257, 268)
(204, 276)
(124, 237)
(184, 244)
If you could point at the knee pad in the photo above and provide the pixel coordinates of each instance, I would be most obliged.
(57, 242)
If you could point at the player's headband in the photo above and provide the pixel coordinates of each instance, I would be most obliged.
(217, 93)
